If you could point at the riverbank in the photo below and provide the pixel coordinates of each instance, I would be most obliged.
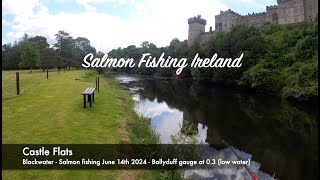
(244, 119)
(51, 112)
(280, 60)
(311, 101)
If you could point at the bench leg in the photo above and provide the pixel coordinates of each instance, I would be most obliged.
(84, 101)
(93, 97)
(90, 100)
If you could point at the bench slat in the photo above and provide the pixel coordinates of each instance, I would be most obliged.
(88, 91)
(91, 91)
(85, 91)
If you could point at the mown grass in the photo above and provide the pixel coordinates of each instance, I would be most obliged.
(51, 112)
(27, 80)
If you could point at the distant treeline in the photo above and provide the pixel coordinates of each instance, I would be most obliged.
(35, 52)
(280, 60)
(277, 59)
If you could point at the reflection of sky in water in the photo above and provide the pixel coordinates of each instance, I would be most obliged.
(202, 133)
(167, 121)
(126, 79)
(236, 172)
(164, 120)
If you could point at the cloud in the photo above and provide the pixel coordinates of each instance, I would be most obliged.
(89, 5)
(246, 1)
(154, 21)
(15, 7)
(153, 109)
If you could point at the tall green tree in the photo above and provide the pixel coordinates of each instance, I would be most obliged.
(29, 55)
(81, 48)
(64, 47)
(50, 58)
(10, 56)
(40, 41)
(43, 46)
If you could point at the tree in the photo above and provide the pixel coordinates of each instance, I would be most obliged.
(72, 50)
(10, 56)
(81, 48)
(64, 47)
(40, 41)
(145, 44)
(43, 46)
(174, 42)
(25, 37)
(29, 55)
(50, 58)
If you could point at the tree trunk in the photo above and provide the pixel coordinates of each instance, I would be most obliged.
(31, 70)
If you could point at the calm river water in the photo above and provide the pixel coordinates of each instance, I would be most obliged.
(280, 138)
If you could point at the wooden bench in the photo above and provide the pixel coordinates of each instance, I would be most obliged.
(90, 93)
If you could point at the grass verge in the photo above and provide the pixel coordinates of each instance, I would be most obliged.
(51, 112)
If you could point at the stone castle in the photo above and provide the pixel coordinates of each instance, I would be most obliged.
(285, 12)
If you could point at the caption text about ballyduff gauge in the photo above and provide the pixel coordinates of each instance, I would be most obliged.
(108, 156)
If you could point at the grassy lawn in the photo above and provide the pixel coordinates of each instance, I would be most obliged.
(51, 112)
(27, 81)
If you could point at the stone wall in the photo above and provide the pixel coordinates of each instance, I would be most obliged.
(257, 20)
(204, 37)
(286, 12)
(272, 14)
(290, 11)
(310, 9)
(227, 20)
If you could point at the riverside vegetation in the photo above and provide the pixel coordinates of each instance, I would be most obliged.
(280, 60)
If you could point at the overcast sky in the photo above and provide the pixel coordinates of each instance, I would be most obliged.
(109, 24)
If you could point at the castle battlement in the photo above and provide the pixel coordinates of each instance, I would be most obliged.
(272, 7)
(255, 14)
(229, 11)
(226, 20)
(239, 15)
(197, 19)
(282, 1)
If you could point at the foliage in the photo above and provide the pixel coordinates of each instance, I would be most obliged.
(289, 65)
(277, 59)
(29, 55)
(10, 56)
(186, 135)
(66, 53)
(72, 50)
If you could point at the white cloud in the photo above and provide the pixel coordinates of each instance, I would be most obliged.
(89, 4)
(246, 1)
(15, 7)
(155, 21)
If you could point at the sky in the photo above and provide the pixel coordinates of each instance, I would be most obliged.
(110, 24)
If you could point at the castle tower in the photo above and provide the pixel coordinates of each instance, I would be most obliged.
(226, 20)
(291, 11)
(196, 27)
(272, 14)
(310, 10)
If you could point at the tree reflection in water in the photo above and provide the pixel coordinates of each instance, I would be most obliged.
(281, 137)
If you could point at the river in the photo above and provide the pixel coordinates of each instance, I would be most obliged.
(279, 137)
